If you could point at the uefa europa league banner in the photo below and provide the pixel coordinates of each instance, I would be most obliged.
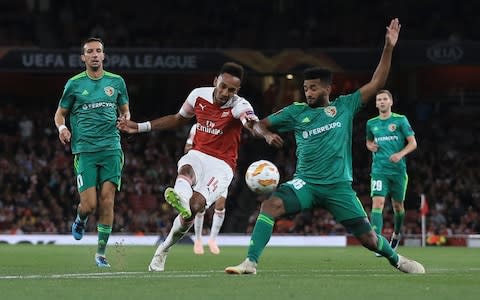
(144, 60)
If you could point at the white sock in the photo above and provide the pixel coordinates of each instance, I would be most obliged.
(183, 187)
(179, 229)
(217, 223)
(198, 225)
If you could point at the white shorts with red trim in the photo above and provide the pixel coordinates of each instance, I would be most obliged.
(213, 175)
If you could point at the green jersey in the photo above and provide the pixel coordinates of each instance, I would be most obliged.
(323, 136)
(93, 106)
(390, 136)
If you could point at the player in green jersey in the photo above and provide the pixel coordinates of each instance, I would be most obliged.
(93, 100)
(386, 137)
(323, 176)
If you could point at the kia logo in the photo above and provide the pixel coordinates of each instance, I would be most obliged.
(444, 53)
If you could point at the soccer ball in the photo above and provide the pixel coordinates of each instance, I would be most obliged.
(262, 177)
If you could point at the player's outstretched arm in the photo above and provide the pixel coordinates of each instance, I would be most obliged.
(260, 129)
(381, 72)
(163, 123)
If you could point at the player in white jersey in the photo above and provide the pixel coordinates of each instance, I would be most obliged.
(205, 172)
(218, 215)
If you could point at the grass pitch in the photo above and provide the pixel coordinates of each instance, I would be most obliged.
(68, 272)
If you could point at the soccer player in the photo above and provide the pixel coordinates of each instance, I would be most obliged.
(218, 216)
(93, 100)
(204, 172)
(390, 138)
(323, 177)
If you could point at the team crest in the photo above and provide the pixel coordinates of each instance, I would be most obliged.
(109, 91)
(392, 127)
(331, 111)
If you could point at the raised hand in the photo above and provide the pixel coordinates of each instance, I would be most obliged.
(393, 30)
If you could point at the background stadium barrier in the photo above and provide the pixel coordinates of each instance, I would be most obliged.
(472, 240)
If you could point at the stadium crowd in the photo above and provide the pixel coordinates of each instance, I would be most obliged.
(231, 24)
(38, 192)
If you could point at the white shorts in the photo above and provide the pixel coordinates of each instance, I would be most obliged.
(213, 175)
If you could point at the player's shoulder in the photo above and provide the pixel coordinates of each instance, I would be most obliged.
(78, 76)
(203, 91)
(346, 97)
(297, 106)
(112, 75)
(398, 116)
(373, 120)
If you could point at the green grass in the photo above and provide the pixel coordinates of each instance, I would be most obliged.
(68, 272)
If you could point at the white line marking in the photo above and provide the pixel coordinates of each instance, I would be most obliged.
(104, 275)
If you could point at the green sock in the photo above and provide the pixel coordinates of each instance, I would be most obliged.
(377, 220)
(398, 221)
(260, 236)
(386, 251)
(103, 235)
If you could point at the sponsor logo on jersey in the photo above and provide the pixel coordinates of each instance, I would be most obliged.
(98, 105)
(319, 130)
(209, 127)
(202, 106)
(84, 93)
(330, 111)
(225, 114)
(392, 127)
(386, 138)
(109, 91)
(306, 120)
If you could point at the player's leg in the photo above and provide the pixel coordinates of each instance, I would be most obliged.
(197, 228)
(399, 217)
(271, 208)
(180, 228)
(376, 215)
(291, 197)
(190, 170)
(363, 231)
(86, 177)
(217, 222)
(110, 171)
(399, 189)
(376, 242)
(88, 203)
(379, 190)
(348, 210)
(105, 221)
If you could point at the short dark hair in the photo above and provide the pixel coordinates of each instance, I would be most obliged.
(233, 69)
(324, 75)
(385, 92)
(91, 39)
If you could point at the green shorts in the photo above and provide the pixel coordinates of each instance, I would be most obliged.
(93, 169)
(394, 186)
(338, 198)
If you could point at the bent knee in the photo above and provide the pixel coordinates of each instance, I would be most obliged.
(273, 206)
(369, 240)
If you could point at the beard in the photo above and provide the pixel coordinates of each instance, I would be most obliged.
(321, 100)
